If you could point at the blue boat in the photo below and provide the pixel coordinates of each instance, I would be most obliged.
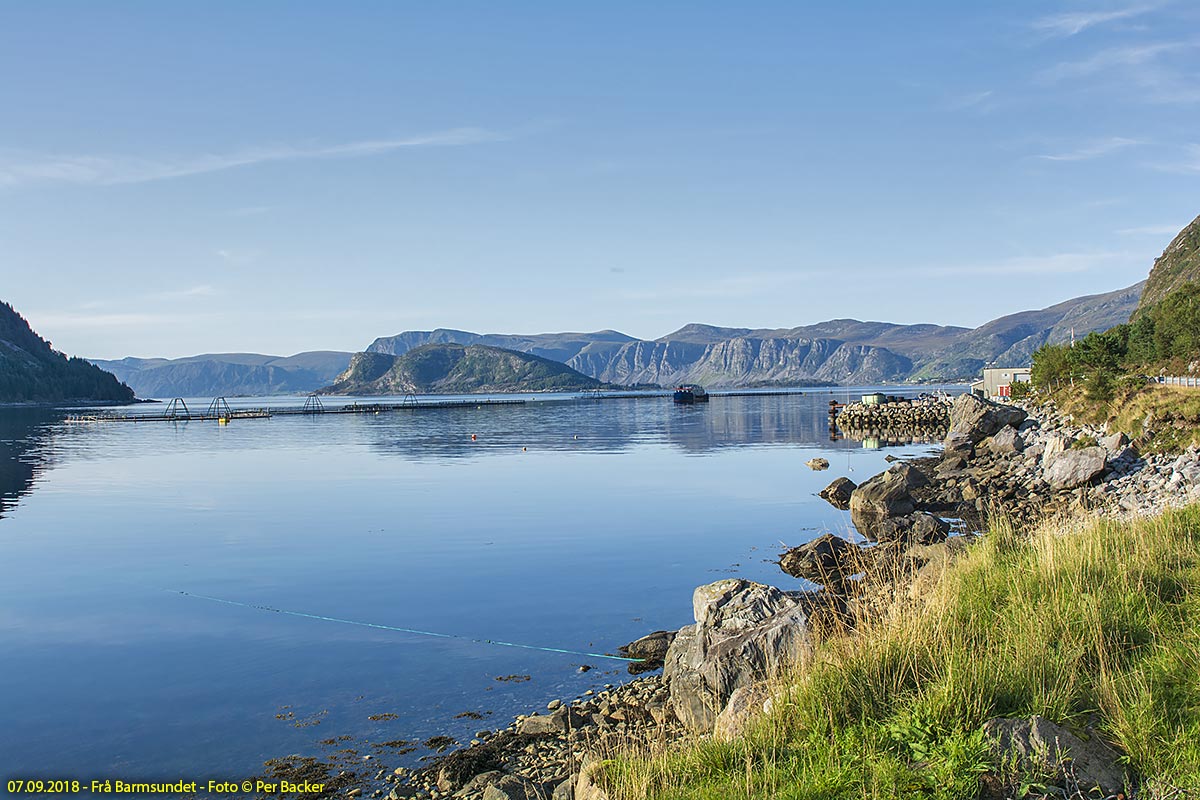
(690, 393)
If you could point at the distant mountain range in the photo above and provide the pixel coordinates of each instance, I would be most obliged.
(229, 374)
(844, 351)
(449, 368)
(838, 351)
(31, 371)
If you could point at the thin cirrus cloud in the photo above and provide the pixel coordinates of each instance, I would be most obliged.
(23, 168)
(1126, 57)
(1076, 22)
(1053, 264)
(1151, 230)
(1095, 149)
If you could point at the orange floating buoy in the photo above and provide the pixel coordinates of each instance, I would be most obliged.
(523, 449)
(472, 437)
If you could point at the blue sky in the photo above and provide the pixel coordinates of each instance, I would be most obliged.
(277, 177)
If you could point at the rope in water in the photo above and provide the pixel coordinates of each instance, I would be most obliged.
(399, 629)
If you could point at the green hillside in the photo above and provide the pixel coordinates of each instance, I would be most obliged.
(31, 371)
(456, 369)
(1178, 266)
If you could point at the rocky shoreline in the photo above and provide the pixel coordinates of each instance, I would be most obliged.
(1022, 461)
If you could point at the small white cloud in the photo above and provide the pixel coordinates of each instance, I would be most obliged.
(1095, 149)
(1074, 22)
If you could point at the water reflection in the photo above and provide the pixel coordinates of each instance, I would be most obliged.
(24, 455)
(612, 426)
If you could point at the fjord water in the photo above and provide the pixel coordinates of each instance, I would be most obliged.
(577, 524)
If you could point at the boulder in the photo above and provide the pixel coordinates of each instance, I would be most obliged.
(838, 493)
(1038, 745)
(746, 703)
(474, 786)
(745, 632)
(539, 724)
(883, 496)
(1055, 444)
(916, 528)
(951, 464)
(1006, 440)
(1072, 468)
(1115, 442)
(586, 786)
(564, 791)
(978, 419)
(511, 787)
(818, 463)
(827, 560)
(651, 649)
(958, 444)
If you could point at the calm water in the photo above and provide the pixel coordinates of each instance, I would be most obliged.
(592, 536)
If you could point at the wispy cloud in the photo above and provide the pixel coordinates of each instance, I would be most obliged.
(973, 100)
(1187, 164)
(21, 168)
(1111, 58)
(1074, 22)
(249, 211)
(1053, 264)
(203, 290)
(1152, 230)
(1095, 149)
(68, 320)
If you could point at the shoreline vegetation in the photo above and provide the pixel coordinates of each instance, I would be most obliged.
(1053, 654)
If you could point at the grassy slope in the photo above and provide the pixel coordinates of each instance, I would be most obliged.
(1094, 622)
(1178, 265)
(1158, 418)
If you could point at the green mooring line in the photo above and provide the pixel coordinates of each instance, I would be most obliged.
(400, 630)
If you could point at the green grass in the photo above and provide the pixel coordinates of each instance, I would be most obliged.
(1083, 623)
(1159, 418)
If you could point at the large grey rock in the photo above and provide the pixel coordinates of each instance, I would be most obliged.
(538, 724)
(746, 703)
(651, 649)
(511, 787)
(884, 496)
(818, 463)
(586, 785)
(838, 493)
(827, 560)
(1115, 442)
(1006, 441)
(1055, 444)
(745, 632)
(474, 786)
(958, 444)
(915, 528)
(978, 419)
(1038, 745)
(1072, 468)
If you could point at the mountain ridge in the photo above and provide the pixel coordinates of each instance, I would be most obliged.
(32, 371)
(213, 374)
(453, 368)
(840, 350)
